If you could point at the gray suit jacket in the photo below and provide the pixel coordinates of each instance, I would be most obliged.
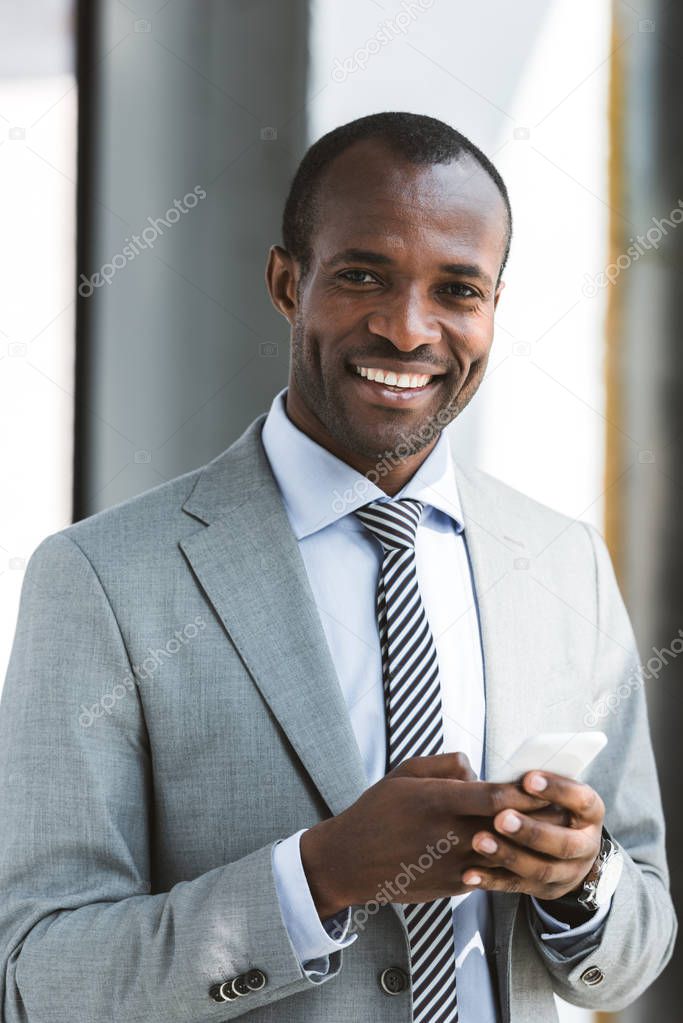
(139, 814)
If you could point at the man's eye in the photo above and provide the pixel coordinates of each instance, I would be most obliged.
(465, 291)
(365, 277)
(347, 275)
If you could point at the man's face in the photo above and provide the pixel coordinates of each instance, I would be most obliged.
(403, 278)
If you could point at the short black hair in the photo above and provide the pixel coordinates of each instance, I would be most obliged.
(419, 139)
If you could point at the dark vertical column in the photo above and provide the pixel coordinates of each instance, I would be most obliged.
(651, 300)
(87, 77)
(193, 118)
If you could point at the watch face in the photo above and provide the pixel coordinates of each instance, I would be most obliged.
(608, 879)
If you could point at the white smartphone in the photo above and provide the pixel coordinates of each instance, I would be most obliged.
(567, 753)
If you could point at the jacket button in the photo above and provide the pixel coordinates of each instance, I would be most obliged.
(393, 980)
(240, 986)
(227, 992)
(256, 979)
(222, 992)
(592, 976)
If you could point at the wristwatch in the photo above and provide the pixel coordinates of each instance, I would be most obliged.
(577, 907)
(600, 884)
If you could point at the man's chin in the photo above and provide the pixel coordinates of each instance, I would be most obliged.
(376, 440)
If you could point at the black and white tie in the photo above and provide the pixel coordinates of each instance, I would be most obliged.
(412, 696)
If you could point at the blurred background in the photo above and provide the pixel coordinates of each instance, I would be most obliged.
(146, 149)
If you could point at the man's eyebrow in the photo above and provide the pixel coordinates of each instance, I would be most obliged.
(379, 259)
(360, 256)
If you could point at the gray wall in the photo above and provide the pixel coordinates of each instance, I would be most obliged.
(173, 364)
(651, 301)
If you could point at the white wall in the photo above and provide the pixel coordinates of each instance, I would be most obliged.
(37, 269)
(528, 84)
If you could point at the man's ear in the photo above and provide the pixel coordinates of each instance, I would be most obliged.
(500, 287)
(282, 272)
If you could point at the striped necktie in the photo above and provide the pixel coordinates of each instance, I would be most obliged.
(412, 696)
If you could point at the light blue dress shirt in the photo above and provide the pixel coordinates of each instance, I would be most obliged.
(343, 560)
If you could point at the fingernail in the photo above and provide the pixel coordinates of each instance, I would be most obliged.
(510, 822)
(537, 782)
(474, 879)
(487, 845)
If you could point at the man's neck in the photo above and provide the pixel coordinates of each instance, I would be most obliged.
(395, 473)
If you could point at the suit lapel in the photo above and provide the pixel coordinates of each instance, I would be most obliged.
(249, 565)
(499, 548)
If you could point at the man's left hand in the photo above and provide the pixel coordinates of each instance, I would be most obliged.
(542, 859)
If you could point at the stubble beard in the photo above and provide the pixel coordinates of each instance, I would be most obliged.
(394, 439)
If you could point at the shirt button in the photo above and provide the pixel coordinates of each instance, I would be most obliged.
(592, 976)
(393, 980)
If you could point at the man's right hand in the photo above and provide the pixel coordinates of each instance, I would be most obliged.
(429, 807)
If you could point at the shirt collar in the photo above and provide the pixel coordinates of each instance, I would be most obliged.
(318, 488)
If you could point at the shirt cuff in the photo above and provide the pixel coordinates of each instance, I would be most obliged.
(560, 933)
(311, 938)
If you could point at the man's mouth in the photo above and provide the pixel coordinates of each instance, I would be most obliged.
(396, 381)
(393, 389)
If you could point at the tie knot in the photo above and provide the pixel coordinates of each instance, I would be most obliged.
(394, 523)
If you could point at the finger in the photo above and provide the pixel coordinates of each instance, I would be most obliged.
(551, 814)
(583, 802)
(544, 868)
(441, 765)
(486, 799)
(496, 880)
(540, 872)
(552, 839)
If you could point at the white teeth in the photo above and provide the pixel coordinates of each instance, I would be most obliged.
(394, 379)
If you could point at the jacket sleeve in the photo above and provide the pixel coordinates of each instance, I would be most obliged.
(82, 936)
(608, 971)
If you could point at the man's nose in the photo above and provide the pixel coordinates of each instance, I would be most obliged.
(406, 319)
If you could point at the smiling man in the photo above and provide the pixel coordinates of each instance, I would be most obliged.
(390, 276)
(293, 819)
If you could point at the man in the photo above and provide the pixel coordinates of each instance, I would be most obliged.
(249, 714)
